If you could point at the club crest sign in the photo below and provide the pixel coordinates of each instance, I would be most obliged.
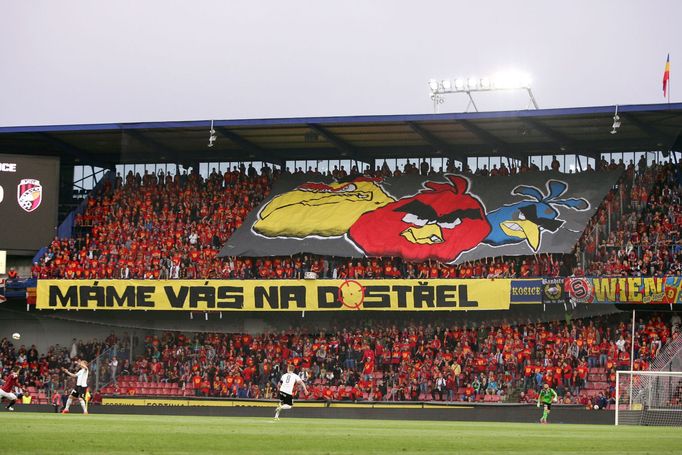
(29, 194)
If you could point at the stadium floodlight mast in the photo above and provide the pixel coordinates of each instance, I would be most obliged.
(507, 81)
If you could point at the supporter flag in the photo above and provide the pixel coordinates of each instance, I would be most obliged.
(553, 290)
(666, 76)
(30, 296)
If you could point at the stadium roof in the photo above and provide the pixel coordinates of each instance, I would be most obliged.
(515, 134)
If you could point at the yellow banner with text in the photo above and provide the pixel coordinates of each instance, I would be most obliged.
(275, 295)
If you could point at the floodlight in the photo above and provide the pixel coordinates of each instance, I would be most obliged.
(506, 80)
(499, 81)
(512, 80)
(503, 81)
(525, 80)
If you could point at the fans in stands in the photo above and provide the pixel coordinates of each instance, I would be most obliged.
(645, 212)
(42, 373)
(414, 362)
(156, 228)
(379, 361)
(163, 227)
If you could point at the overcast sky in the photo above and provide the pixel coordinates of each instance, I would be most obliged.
(91, 61)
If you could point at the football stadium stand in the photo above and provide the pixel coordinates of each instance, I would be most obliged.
(156, 227)
(390, 362)
(172, 227)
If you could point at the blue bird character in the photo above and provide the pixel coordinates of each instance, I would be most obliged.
(528, 219)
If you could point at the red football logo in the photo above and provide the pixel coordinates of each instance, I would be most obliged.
(440, 222)
(29, 194)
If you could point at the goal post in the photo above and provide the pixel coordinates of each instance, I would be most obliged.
(649, 398)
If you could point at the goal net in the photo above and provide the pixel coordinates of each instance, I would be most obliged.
(649, 398)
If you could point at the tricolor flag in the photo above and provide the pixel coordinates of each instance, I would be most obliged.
(666, 76)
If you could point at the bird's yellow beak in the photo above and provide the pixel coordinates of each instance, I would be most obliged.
(523, 229)
(425, 235)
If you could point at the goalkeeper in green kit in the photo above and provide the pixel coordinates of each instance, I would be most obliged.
(546, 398)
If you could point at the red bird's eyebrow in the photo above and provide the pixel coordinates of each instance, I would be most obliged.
(426, 212)
(472, 214)
(418, 208)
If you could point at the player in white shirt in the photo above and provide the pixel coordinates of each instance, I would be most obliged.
(81, 386)
(286, 389)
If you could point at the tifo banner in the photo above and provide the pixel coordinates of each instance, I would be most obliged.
(450, 218)
(650, 290)
(275, 295)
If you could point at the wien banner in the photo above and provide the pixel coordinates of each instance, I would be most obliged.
(640, 290)
(450, 218)
(275, 295)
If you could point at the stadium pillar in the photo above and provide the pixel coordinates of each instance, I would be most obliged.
(608, 229)
(632, 343)
(99, 372)
(632, 357)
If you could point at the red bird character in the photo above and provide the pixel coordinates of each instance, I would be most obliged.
(439, 222)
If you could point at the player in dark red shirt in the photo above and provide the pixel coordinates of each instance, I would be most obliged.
(7, 389)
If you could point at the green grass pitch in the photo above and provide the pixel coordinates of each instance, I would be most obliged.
(24, 433)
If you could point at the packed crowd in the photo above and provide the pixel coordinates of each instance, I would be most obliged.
(372, 360)
(43, 371)
(155, 227)
(415, 361)
(167, 227)
(645, 212)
